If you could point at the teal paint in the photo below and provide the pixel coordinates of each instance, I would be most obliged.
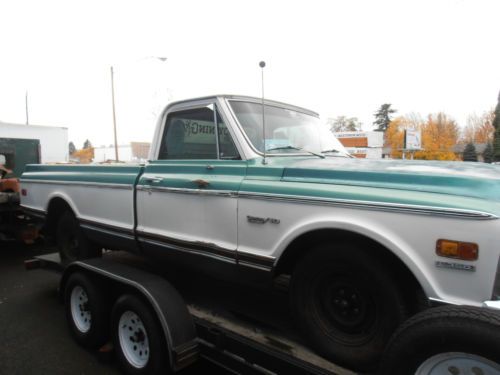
(470, 186)
(220, 174)
(110, 174)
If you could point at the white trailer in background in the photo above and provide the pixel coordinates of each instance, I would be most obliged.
(53, 139)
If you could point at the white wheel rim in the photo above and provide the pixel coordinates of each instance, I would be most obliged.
(133, 339)
(80, 310)
(459, 364)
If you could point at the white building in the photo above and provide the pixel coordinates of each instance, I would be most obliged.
(361, 144)
(136, 152)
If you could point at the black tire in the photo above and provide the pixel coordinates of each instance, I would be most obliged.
(346, 304)
(94, 311)
(71, 242)
(449, 329)
(149, 332)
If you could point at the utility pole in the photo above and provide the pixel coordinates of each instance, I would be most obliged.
(114, 113)
(162, 59)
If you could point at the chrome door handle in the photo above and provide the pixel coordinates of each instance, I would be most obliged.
(153, 179)
(201, 183)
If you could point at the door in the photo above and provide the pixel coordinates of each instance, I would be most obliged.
(187, 199)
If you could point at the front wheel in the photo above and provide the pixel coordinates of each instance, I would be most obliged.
(346, 303)
(71, 242)
(137, 337)
(446, 340)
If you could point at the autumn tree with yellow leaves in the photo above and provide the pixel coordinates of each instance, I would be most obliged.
(439, 135)
(394, 137)
(84, 155)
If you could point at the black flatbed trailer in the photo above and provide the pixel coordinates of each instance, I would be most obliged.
(244, 330)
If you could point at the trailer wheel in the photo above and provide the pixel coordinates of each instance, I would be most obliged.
(446, 340)
(139, 343)
(346, 303)
(72, 243)
(87, 311)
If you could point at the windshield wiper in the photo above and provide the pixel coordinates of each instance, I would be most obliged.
(295, 148)
(334, 150)
(331, 150)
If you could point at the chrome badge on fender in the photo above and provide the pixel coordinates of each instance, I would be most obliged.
(456, 266)
(261, 220)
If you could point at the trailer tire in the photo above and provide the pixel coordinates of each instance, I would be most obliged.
(87, 311)
(346, 303)
(448, 339)
(72, 242)
(137, 337)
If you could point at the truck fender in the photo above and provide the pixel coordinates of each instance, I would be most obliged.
(396, 245)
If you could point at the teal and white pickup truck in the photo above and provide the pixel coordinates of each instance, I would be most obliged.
(365, 243)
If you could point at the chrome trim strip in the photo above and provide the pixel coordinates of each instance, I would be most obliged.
(107, 227)
(257, 260)
(169, 245)
(33, 211)
(221, 193)
(188, 245)
(209, 250)
(110, 232)
(389, 207)
(255, 266)
(80, 183)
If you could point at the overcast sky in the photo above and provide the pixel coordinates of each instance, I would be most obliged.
(335, 57)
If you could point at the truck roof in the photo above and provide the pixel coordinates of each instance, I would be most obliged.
(248, 98)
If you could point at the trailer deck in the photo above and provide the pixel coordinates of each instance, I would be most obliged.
(246, 331)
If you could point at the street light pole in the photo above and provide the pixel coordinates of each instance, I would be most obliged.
(114, 113)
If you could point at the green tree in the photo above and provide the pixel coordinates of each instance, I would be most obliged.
(470, 153)
(87, 144)
(496, 137)
(488, 153)
(344, 124)
(383, 117)
(71, 148)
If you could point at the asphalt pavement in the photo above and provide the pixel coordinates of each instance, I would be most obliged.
(34, 336)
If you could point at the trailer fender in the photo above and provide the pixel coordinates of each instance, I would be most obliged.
(170, 308)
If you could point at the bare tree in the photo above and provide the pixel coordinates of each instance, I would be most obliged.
(344, 124)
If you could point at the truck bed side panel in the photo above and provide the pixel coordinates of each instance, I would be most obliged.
(98, 194)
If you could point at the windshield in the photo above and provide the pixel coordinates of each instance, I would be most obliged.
(287, 131)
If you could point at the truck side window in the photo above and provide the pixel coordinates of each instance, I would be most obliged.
(227, 149)
(191, 134)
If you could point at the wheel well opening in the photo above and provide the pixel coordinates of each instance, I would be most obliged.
(410, 287)
(57, 207)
